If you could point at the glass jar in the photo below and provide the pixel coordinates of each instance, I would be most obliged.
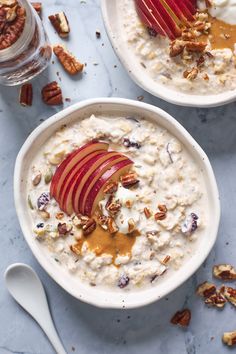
(29, 55)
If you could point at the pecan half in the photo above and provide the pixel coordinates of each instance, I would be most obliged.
(69, 62)
(224, 272)
(38, 7)
(160, 215)
(229, 338)
(26, 95)
(206, 289)
(147, 212)
(162, 208)
(181, 318)
(190, 74)
(176, 48)
(129, 180)
(229, 293)
(112, 227)
(89, 227)
(111, 188)
(216, 300)
(195, 46)
(60, 23)
(51, 94)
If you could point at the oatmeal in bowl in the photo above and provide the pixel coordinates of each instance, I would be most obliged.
(183, 52)
(118, 201)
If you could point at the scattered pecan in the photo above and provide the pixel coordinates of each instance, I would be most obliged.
(147, 212)
(59, 216)
(160, 215)
(195, 46)
(176, 48)
(229, 293)
(80, 220)
(60, 23)
(113, 207)
(201, 60)
(112, 227)
(129, 180)
(166, 260)
(111, 188)
(89, 227)
(229, 338)
(181, 318)
(102, 221)
(224, 272)
(51, 94)
(217, 300)
(10, 30)
(162, 208)
(26, 95)
(190, 74)
(131, 225)
(69, 62)
(76, 249)
(206, 289)
(38, 7)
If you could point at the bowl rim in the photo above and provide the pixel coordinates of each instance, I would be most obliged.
(64, 114)
(168, 94)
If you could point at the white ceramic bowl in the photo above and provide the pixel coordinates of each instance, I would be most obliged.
(72, 284)
(139, 74)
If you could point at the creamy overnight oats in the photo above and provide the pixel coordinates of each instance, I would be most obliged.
(117, 201)
(186, 45)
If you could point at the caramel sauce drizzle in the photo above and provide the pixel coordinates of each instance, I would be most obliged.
(221, 35)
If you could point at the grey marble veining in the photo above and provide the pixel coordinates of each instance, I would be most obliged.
(85, 329)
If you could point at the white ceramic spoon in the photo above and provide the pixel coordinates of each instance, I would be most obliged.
(26, 288)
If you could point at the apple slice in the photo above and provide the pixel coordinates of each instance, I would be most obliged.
(68, 183)
(96, 194)
(187, 9)
(71, 160)
(66, 203)
(88, 186)
(148, 22)
(85, 175)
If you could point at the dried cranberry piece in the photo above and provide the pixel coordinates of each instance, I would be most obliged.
(123, 281)
(43, 201)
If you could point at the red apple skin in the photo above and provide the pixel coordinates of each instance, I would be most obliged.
(88, 186)
(85, 174)
(72, 159)
(66, 204)
(71, 177)
(146, 19)
(96, 193)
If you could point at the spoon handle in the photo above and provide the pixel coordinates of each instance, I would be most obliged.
(52, 335)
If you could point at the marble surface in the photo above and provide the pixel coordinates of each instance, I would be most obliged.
(85, 329)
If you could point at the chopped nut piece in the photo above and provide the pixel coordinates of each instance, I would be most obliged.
(176, 48)
(181, 318)
(51, 94)
(160, 215)
(195, 46)
(89, 227)
(229, 338)
(229, 293)
(102, 221)
(26, 95)
(166, 260)
(162, 208)
(36, 178)
(76, 249)
(80, 220)
(131, 225)
(112, 227)
(206, 289)
(147, 212)
(59, 216)
(217, 300)
(129, 180)
(38, 7)
(69, 62)
(64, 228)
(113, 207)
(60, 23)
(224, 272)
(191, 74)
(111, 188)
(129, 203)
